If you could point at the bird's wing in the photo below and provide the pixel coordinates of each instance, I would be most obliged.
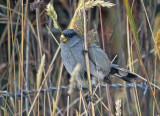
(99, 58)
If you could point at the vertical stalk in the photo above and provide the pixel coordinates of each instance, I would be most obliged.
(44, 80)
(86, 56)
(21, 67)
(131, 69)
(9, 47)
(27, 69)
(154, 89)
(39, 42)
(107, 87)
(15, 40)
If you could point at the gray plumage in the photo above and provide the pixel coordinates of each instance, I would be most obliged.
(100, 66)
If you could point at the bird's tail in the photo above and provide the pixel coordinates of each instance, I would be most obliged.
(123, 73)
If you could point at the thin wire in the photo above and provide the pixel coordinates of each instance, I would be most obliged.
(143, 86)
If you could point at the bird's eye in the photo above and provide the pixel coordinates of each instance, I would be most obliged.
(70, 35)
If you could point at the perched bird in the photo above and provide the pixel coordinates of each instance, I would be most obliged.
(72, 52)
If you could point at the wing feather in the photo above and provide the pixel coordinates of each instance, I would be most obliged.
(99, 58)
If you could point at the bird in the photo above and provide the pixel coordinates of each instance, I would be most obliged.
(101, 69)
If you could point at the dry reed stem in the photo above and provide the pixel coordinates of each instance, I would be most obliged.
(6, 27)
(52, 35)
(54, 106)
(38, 30)
(68, 106)
(77, 113)
(9, 51)
(103, 104)
(52, 10)
(26, 13)
(147, 78)
(6, 104)
(81, 96)
(74, 19)
(44, 110)
(73, 79)
(19, 76)
(76, 100)
(86, 56)
(157, 40)
(22, 42)
(154, 85)
(140, 58)
(2, 6)
(157, 43)
(118, 107)
(96, 102)
(88, 5)
(136, 60)
(40, 71)
(80, 102)
(107, 87)
(150, 27)
(154, 90)
(39, 41)
(46, 75)
(58, 90)
(131, 68)
(5, 111)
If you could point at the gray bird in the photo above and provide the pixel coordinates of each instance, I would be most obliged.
(100, 66)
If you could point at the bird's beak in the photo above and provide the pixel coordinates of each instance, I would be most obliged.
(63, 39)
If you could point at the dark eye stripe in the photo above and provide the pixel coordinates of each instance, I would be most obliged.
(69, 33)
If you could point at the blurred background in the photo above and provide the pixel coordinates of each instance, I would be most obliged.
(24, 38)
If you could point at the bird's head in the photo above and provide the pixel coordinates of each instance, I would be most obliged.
(67, 34)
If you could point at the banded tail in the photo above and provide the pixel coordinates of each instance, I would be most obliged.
(123, 73)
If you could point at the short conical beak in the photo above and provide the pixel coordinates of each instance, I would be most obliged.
(63, 39)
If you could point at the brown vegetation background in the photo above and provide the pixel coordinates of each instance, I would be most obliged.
(24, 39)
